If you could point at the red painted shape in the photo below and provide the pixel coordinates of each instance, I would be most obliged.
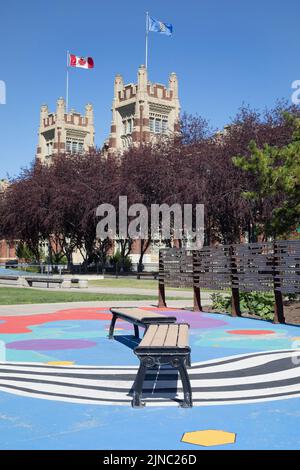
(21, 324)
(251, 332)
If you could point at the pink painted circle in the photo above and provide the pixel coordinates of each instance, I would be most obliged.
(50, 344)
(251, 332)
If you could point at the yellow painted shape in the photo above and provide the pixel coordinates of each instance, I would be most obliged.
(60, 363)
(209, 437)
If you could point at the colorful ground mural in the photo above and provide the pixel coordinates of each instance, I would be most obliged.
(65, 385)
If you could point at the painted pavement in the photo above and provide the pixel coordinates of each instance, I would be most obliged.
(64, 385)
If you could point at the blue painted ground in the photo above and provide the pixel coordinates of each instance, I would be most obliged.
(28, 423)
(41, 424)
(14, 272)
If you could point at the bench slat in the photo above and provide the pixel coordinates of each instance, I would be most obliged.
(160, 336)
(183, 336)
(166, 336)
(150, 333)
(172, 335)
(139, 314)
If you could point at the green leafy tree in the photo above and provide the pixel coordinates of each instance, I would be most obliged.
(274, 174)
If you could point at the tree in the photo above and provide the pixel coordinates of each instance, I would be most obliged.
(25, 208)
(276, 174)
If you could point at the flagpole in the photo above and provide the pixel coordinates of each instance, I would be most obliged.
(147, 31)
(67, 84)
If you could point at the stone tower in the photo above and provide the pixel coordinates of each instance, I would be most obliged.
(141, 112)
(62, 132)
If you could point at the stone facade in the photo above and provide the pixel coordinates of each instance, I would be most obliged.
(62, 132)
(143, 112)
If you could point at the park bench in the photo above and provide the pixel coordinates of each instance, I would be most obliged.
(49, 281)
(148, 274)
(138, 317)
(80, 283)
(9, 278)
(164, 345)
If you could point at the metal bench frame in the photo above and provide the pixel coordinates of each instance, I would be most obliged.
(178, 358)
(144, 322)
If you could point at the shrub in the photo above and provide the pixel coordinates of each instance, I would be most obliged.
(259, 303)
(24, 252)
(119, 262)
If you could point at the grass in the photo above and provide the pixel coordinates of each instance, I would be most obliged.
(130, 282)
(17, 295)
(135, 284)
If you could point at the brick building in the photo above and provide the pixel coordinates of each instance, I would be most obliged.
(62, 132)
(141, 112)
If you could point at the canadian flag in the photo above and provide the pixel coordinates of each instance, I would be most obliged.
(82, 62)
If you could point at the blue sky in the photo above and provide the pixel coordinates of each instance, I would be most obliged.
(224, 53)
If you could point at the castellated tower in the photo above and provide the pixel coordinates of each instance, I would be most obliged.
(62, 132)
(142, 112)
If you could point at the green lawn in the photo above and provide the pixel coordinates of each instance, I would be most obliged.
(135, 283)
(16, 295)
(130, 282)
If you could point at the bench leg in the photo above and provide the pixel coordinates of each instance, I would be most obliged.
(112, 327)
(138, 387)
(136, 331)
(187, 390)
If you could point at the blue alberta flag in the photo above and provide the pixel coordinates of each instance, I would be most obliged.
(160, 27)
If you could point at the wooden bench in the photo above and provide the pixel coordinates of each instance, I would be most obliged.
(138, 317)
(44, 280)
(164, 345)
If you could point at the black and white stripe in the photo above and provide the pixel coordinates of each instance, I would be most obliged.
(246, 378)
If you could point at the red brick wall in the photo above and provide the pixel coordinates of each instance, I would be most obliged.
(7, 250)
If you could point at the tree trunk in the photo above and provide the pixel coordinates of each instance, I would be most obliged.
(144, 246)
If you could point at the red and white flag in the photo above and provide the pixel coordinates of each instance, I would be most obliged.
(81, 62)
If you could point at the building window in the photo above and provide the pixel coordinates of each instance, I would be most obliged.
(80, 147)
(151, 124)
(164, 128)
(49, 149)
(74, 146)
(129, 126)
(157, 126)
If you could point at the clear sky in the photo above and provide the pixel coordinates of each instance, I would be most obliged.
(224, 53)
